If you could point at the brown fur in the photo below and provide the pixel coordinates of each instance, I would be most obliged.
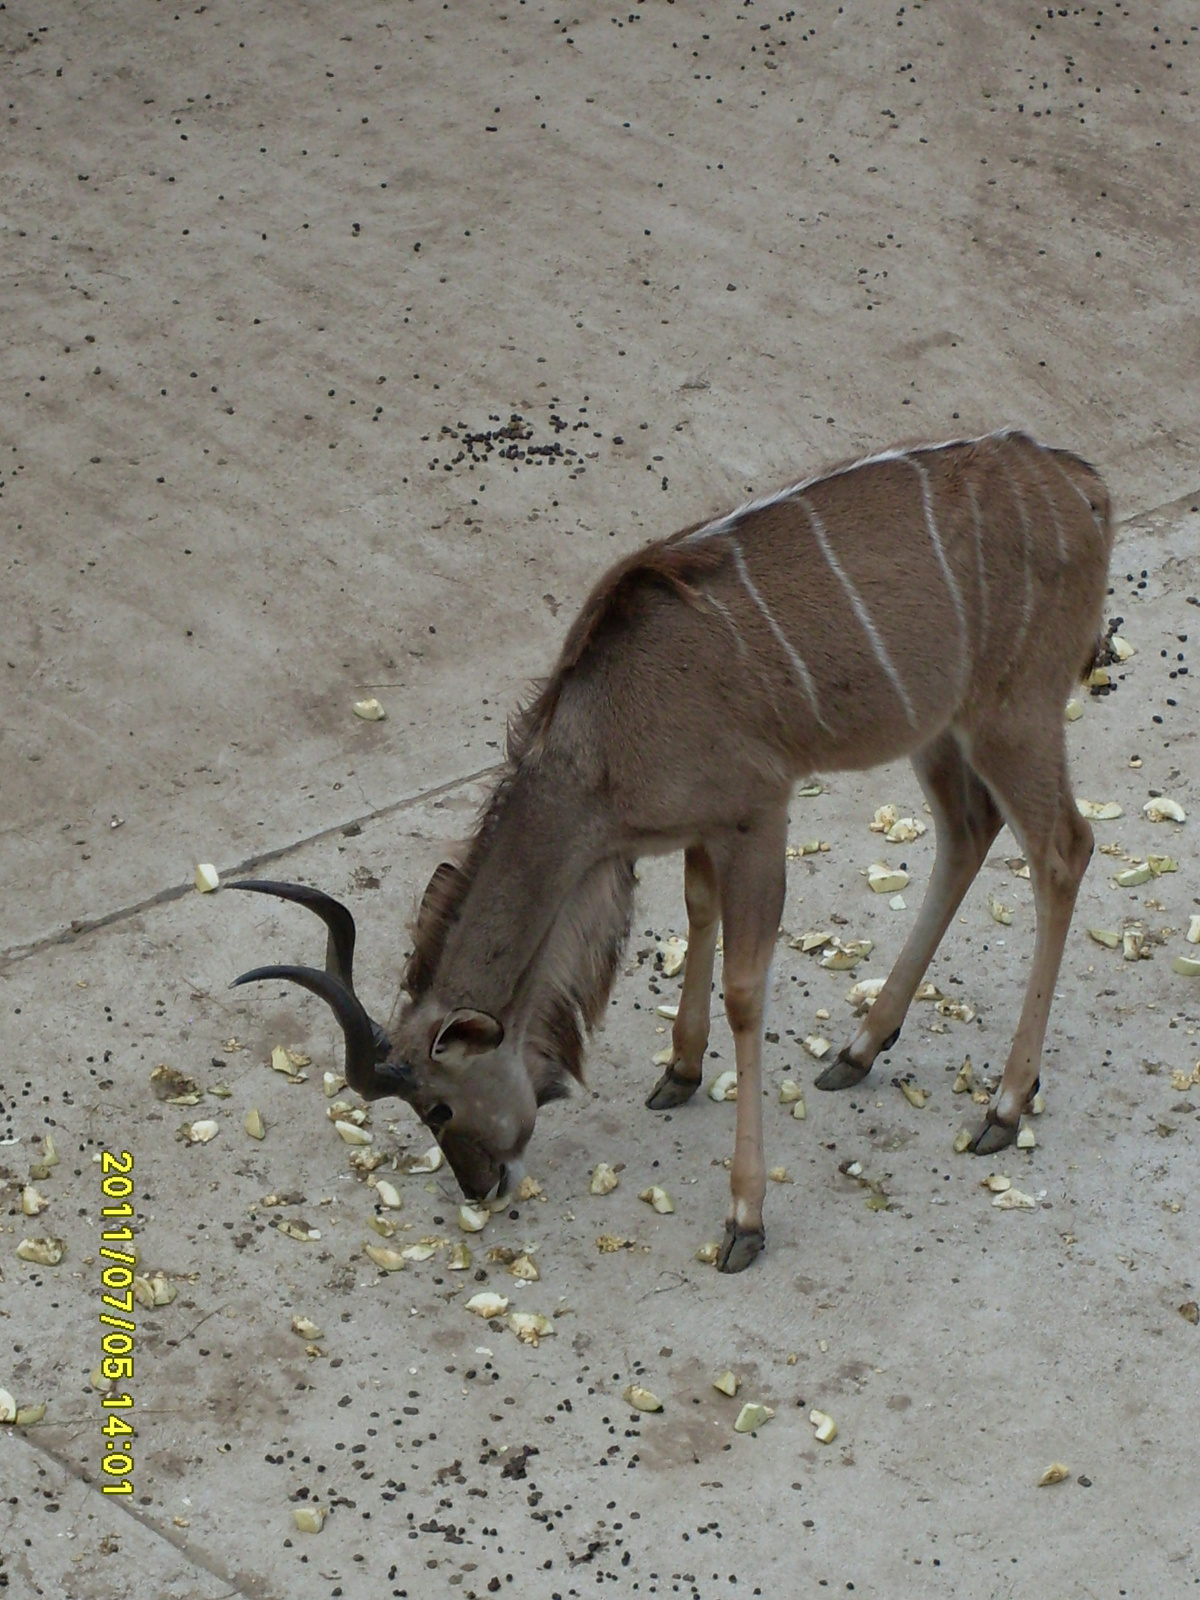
(935, 603)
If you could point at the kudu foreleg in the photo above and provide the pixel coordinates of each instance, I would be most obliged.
(689, 1036)
(967, 820)
(752, 874)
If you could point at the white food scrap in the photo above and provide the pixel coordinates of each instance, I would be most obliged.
(530, 1326)
(1014, 1200)
(1108, 937)
(473, 1219)
(708, 1253)
(281, 1061)
(1163, 809)
(962, 1141)
(306, 1328)
(1133, 877)
(1186, 966)
(824, 1426)
(298, 1230)
(154, 1290)
(1100, 810)
(789, 1092)
(752, 1415)
(800, 1110)
(723, 1087)
(728, 1383)
(387, 1194)
(884, 818)
(604, 1179)
(883, 879)
(641, 1399)
(674, 955)
(865, 992)
(384, 1257)
(956, 1010)
(1026, 1139)
(202, 1132)
(817, 1046)
(904, 830)
(175, 1087)
(207, 877)
(31, 1201)
(8, 1407)
(253, 1123)
(353, 1134)
(369, 710)
(309, 1519)
(1056, 1472)
(844, 957)
(428, 1161)
(999, 911)
(917, 1098)
(965, 1080)
(659, 1199)
(43, 1250)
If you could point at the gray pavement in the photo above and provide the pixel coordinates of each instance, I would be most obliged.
(254, 262)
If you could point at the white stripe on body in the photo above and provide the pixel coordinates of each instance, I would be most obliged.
(951, 583)
(798, 667)
(980, 566)
(1054, 517)
(1062, 471)
(729, 622)
(859, 608)
(1027, 608)
(726, 523)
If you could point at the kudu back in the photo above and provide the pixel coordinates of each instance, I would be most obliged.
(934, 601)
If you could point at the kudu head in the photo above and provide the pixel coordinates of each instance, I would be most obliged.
(465, 1080)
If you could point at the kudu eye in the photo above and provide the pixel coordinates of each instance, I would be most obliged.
(438, 1116)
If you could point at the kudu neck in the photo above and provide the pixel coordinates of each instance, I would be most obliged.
(549, 829)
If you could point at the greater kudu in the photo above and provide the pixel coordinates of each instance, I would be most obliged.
(935, 601)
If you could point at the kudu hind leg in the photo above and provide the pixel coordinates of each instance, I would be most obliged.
(753, 883)
(689, 1036)
(1037, 799)
(966, 820)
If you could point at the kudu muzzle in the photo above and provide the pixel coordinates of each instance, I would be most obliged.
(368, 1070)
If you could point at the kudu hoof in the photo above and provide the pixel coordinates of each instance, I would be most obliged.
(739, 1247)
(843, 1073)
(671, 1090)
(993, 1136)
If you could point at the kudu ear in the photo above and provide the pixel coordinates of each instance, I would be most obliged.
(463, 1035)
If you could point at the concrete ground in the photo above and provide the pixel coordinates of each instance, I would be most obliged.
(263, 268)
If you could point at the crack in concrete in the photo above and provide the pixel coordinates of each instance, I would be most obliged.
(198, 1558)
(84, 925)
